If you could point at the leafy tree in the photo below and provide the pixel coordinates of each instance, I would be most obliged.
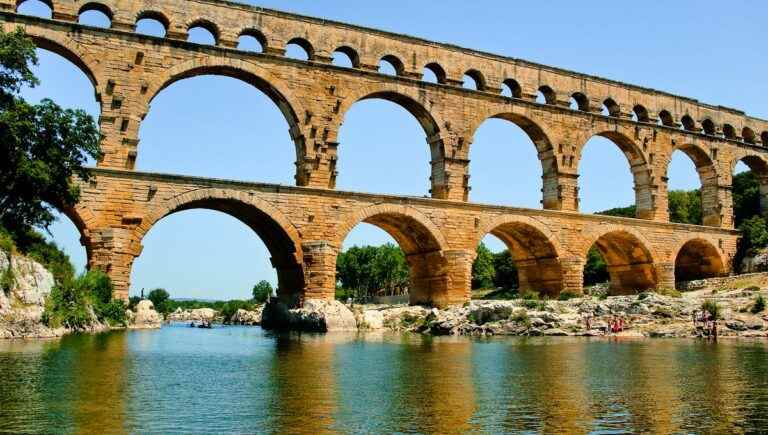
(159, 298)
(629, 212)
(685, 206)
(746, 196)
(369, 271)
(262, 291)
(42, 146)
(506, 271)
(483, 272)
(595, 270)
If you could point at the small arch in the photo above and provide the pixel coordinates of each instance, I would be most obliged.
(546, 95)
(709, 127)
(640, 113)
(698, 259)
(748, 135)
(204, 29)
(629, 260)
(95, 14)
(300, 49)
(534, 249)
(476, 80)
(611, 108)
(688, 123)
(436, 71)
(152, 23)
(510, 88)
(35, 8)
(579, 101)
(665, 118)
(391, 65)
(252, 40)
(729, 132)
(346, 57)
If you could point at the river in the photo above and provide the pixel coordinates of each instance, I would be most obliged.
(244, 380)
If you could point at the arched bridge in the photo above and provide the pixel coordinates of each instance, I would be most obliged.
(303, 225)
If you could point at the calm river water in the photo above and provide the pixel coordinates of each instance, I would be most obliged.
(244, 380)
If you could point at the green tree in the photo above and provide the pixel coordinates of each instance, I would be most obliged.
(262, 291)
(159, 298)
(43, 145)
(369, 271)
(595, 270)
(505, 271)
(628, 212)
(483, 272)
(685, 206)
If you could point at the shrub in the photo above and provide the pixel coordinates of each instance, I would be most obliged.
(530, 295)
(521, 316)
(262, 291)
(669, 292)
(230, 308)
(530, 304)
(133, 301)
(68, 306)
(712, 308)
(113, 313)
(759, 305)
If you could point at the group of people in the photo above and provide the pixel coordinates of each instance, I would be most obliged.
(615, 324)
(704, 320)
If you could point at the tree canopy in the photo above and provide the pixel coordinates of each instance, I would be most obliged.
(42, 146)
(373, 271)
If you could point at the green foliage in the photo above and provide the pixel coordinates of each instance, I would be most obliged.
(7, 281)
(7, 244)
(133, 302)
(567, 295)
(746, 196)
(483, 271)
(370, 271)
(712, 308)
(159, 298)
(113, 312)
(506, 271)
(262, 291)
(33, 245)
(664, 291)
(759, 305)
(521, 316)
(78, 304)
(44, 146)
(628, 212)
(685, 206)
(755, 233)
(595, 270)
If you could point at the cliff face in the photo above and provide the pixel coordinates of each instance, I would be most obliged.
(25, 285)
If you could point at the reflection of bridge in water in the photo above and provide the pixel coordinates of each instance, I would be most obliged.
(303, 226)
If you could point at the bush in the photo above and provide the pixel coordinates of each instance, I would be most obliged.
(521, 316)
(231, 307)
(77, 305)
(133, 302)
(530, 295)
(674, 293)
(262, 291)
(712, 308)
(113, 313)
(759, 305)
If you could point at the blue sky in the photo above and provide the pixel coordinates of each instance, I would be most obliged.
(219, 127)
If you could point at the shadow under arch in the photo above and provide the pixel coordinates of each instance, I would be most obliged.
(544, 149)
(629, 260)
(534, 249)
(277, 232)
(708, 177)
(421, 241)
(698, 258)
(638, 165)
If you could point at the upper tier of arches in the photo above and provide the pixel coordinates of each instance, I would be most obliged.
(411, 56)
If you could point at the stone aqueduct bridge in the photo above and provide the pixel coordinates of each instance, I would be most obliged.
(304, 226)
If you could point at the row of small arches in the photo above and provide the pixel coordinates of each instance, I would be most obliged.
(154, 23)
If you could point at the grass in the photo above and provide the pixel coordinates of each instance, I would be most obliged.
(759, 305)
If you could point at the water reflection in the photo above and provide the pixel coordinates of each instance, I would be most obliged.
(244, 380)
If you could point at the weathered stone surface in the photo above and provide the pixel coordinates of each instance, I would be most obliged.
(370, 320)
(305, 226)
(245, 317)
(196, 315)
(145, 317)
(313, 316)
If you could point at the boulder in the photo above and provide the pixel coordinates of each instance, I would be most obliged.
(555, 332)
(370, 320)
(490, 312)
(245, 317)
(736, 325)
(146, 317)
(313, 316)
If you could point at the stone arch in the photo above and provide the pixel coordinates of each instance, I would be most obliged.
(69, 50)
(278, 233)
(541, 141)
(49, 3)
(208, 25)
(638, 165)
(420, 239)
(698, 258)
(351, 53)
(256, 34)
(641, 113)
(628, 255)
(534, 249)
(478, 78)
(84, 220)
(97, 6)
(305, 45)
(438, 71)
(708, 177)
(581, 100)
(154, 15)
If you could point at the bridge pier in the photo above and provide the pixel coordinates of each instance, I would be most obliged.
(113, 251)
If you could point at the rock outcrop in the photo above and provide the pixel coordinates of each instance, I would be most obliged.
(249, 318)
(314, 316)
(196, 315)
(145, 317)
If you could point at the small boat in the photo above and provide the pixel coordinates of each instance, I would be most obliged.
(205, 325)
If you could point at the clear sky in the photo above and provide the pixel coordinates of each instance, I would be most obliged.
(219, 127)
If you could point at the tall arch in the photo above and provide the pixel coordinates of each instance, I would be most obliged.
(698, 258)
(628, 257)
(639, 167)
(544, 150)
(534, 249)
(275, 230)
(71, 51)
(758, 167)
(420, 239)
(708, 177)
